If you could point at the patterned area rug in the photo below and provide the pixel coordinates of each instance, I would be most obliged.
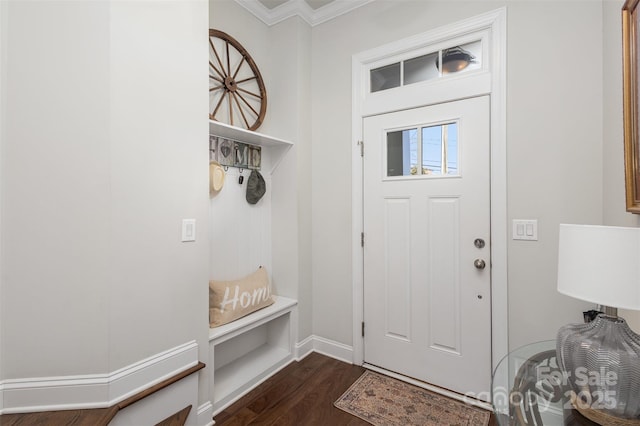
(383, 401)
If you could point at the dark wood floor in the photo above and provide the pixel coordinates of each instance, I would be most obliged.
(302, 394)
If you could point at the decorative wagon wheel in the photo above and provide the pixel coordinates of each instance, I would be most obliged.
(237, 95)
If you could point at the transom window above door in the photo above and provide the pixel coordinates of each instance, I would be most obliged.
(456, 59)
(426, 151)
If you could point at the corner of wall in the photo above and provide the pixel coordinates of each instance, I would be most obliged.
(3, 50)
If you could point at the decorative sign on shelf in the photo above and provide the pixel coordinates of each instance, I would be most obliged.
(231, 153)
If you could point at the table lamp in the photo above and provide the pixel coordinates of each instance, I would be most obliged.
(601, 359)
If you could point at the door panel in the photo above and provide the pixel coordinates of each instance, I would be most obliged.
(426, 199)
(398, 253)
(444, 279)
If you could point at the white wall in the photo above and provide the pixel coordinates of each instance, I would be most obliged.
(282, 54)
(104, 148)
(334, 43)
(104, 152)
(554, 140)
(3, 50)
(56, 191)
(551, 115)
(290, 99)
(554, 143)
(240, 232)
(158, 295)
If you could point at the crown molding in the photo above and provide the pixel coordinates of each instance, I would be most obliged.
(302, 9)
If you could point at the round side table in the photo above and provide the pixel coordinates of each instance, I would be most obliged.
(527, 389)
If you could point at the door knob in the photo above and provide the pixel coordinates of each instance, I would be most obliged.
(479, 263)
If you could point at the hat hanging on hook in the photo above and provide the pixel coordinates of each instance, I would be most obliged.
(216, 177)
(256, 187)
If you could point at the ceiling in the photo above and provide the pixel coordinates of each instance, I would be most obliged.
(314, 12)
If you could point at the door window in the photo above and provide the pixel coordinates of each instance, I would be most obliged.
(426, 151)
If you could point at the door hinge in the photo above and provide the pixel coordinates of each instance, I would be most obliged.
(362, 239)
(362, 328)
(361, 144)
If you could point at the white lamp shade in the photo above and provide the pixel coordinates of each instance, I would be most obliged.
(600, 264)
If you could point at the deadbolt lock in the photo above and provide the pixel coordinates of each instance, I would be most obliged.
(478, 242)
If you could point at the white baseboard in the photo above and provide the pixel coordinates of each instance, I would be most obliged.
(304, 348)
(205, 414)
(105, 390)
(139, 376)
(94, 390)
(326, 347)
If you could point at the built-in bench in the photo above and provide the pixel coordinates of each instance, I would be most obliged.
(249, 350)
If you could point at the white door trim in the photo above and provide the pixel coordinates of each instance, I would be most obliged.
(495, 23)
(3, 80)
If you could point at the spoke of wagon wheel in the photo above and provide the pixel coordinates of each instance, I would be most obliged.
(249, 93)
(248, 104)
(235, 74)
(246, 122)
(215, 111)
(215, 52)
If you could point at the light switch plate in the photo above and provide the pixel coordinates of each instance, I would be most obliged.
(188, 230)
(525, 229)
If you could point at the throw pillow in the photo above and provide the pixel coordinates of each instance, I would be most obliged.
(230, 300)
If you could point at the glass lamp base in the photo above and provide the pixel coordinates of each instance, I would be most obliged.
(601, 365)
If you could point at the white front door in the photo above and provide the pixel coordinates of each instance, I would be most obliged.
(427, 274)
